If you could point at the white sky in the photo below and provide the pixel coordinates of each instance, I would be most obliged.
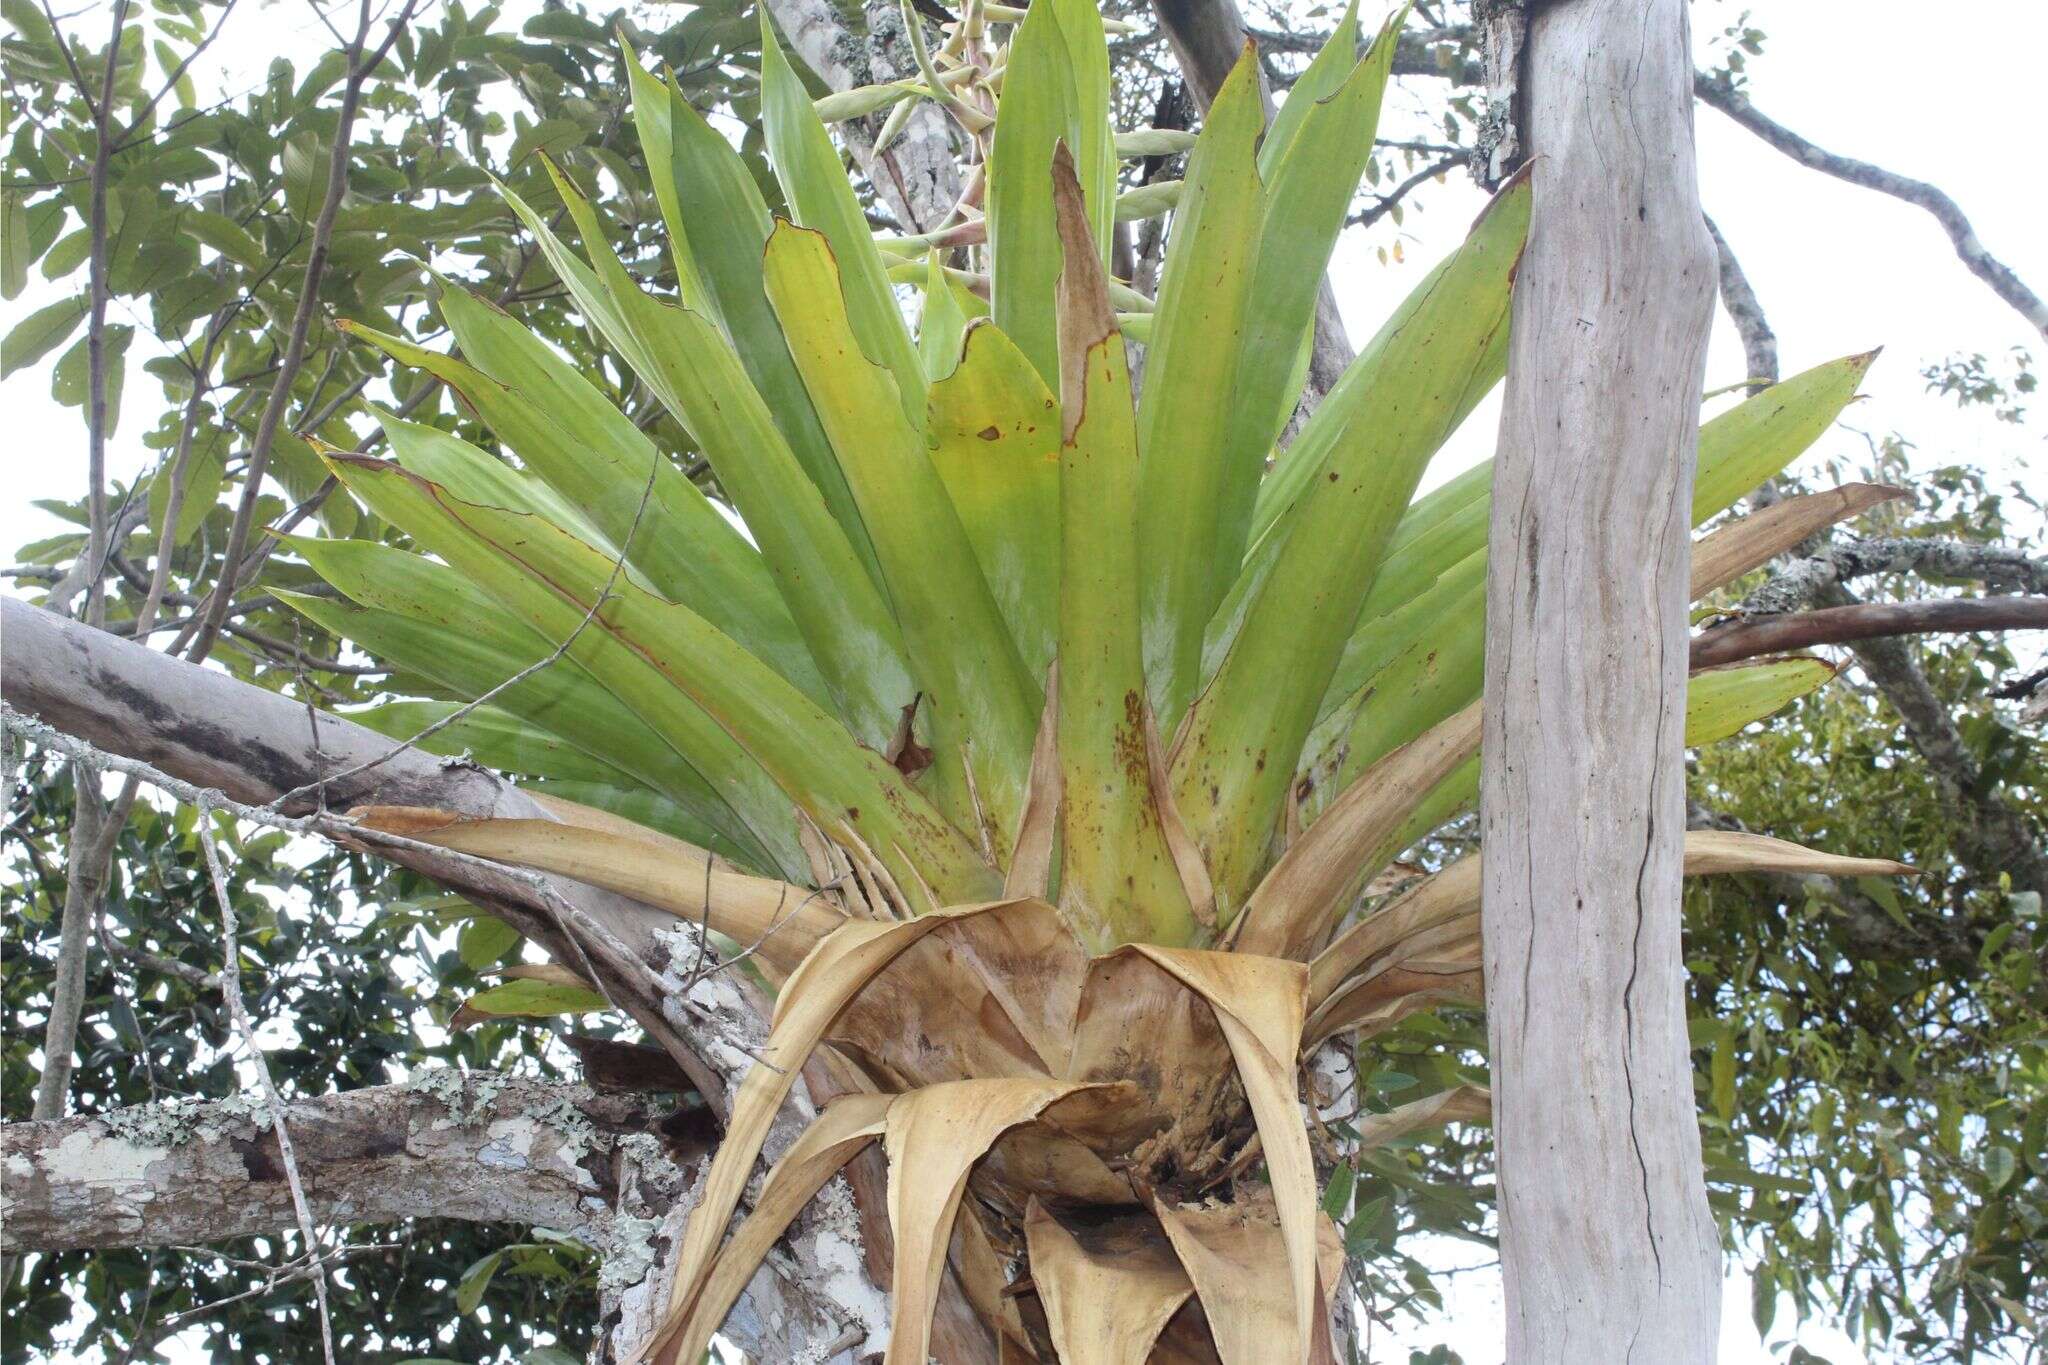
(1837, 268)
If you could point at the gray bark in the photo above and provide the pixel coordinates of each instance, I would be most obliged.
(1759, 342)
(2002, 279)
(482, 1147)
(917, 176)
(1607, 1245)
(253, 746)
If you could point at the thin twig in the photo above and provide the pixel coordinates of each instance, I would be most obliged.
(360, 66)
(1759, 342)
(320, 785)
(1721, 93)
(231, 988)
(1865, 621)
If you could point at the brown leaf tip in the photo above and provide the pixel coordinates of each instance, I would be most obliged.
(1085, 317)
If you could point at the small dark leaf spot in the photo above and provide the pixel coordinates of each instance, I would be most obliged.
(990, 433)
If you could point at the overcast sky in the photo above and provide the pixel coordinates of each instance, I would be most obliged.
(1837, 268)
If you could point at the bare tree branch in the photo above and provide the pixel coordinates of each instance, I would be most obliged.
(1993, 836)
(93, 829)
(1722, 94)
(1999, 568)
(1739, 301)
(1842, 624)
(480, 1147)
(206, 730)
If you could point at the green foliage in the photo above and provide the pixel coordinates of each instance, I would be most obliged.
(1874, 1124)
(1892, 1103)
(364, 962)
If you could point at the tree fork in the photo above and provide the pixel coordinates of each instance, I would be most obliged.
(1607, 1244)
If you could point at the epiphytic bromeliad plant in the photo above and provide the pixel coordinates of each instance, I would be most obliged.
(1035, 737)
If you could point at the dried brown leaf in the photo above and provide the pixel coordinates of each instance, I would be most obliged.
(1730, 551)
(682, 879)
(1260, 1002)
(1109, 1286)
(934, 1137)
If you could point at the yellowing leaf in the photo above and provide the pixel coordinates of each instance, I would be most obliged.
(785, 921)
(1119, 881)
(992, 428)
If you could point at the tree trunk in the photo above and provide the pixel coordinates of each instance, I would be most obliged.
(1607, 1245)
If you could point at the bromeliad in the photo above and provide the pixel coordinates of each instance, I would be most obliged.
(1041, 727)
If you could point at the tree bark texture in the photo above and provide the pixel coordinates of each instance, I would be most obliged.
(1607, 1245)
(476, 1146)
(481, 1147)
(918, 176)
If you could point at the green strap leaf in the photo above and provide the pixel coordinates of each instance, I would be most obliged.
(589, 452)
(1039, 108)
(686, 360)
(1740, 449)
(676, 670)
(984, 706)
(1325, 130)
(821, 197)
(1094, 140)
(942, 322)
(993, 430)
(723, 233)
(1237, 760)
(477, 476)
(429, 620)
(1415, 658)
(493, 737)
(1118, 882)
(1190, 392)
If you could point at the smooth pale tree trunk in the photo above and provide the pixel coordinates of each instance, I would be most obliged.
(1607, 1245)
